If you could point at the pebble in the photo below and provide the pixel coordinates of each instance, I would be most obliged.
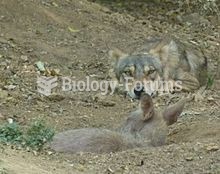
(10, 87)
(212, 147)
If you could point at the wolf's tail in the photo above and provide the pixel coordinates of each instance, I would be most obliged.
(92, 140)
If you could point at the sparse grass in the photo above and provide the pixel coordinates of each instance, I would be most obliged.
(38, 134)
(210, 81)
(34, 137)
(11, 133)
(3, 171)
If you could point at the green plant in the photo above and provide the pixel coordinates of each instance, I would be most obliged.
(3, 171)
(210, 81)
(35, 137)
(11, 133)
(38, 134)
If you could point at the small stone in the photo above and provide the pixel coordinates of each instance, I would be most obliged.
(55, 4)
(49, 152)
(212, 147)
(188, 158)
(35, 153)
(40, 66)
(10, 120)
(24, 58)
(10, 87)
(110, 170)
(210, 99)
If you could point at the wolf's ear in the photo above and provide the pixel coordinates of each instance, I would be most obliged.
(147, 107)
(115, 55)
(168, 49)
(171, 113)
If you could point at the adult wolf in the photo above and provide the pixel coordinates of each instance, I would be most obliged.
(179, 65)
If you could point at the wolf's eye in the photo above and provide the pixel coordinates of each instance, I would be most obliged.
(128, 72)
(151, 71)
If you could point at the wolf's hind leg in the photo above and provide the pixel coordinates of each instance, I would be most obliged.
(189, 82)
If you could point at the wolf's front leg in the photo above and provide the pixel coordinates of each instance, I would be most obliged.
(114, 85)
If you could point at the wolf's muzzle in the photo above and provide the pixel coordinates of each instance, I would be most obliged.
(138, 90)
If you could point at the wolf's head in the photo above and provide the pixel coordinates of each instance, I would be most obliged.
(136, 72)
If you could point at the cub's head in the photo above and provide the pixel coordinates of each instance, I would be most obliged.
(135, 72)
(170, 114)
(151, 123)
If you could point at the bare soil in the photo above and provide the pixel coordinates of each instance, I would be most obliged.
(75, 37)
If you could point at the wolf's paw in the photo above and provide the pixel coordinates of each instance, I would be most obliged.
(199, 95)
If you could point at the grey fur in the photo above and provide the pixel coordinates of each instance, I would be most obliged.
(136, 131)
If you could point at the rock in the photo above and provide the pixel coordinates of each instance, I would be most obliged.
(10, 120)
(49, 153)
(35, 153)
(110, 170)
(56, 97)
(40, 66)
(189, 158)
(212, 147)
(10, 87)
(102, 100)
(24, 58)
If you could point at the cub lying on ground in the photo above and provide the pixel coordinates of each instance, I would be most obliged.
(144, 127)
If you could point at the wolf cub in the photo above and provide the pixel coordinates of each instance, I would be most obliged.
(144, 127)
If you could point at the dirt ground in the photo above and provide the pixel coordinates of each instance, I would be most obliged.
(75, 37)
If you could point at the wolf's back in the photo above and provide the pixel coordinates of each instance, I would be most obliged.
(190, 58)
